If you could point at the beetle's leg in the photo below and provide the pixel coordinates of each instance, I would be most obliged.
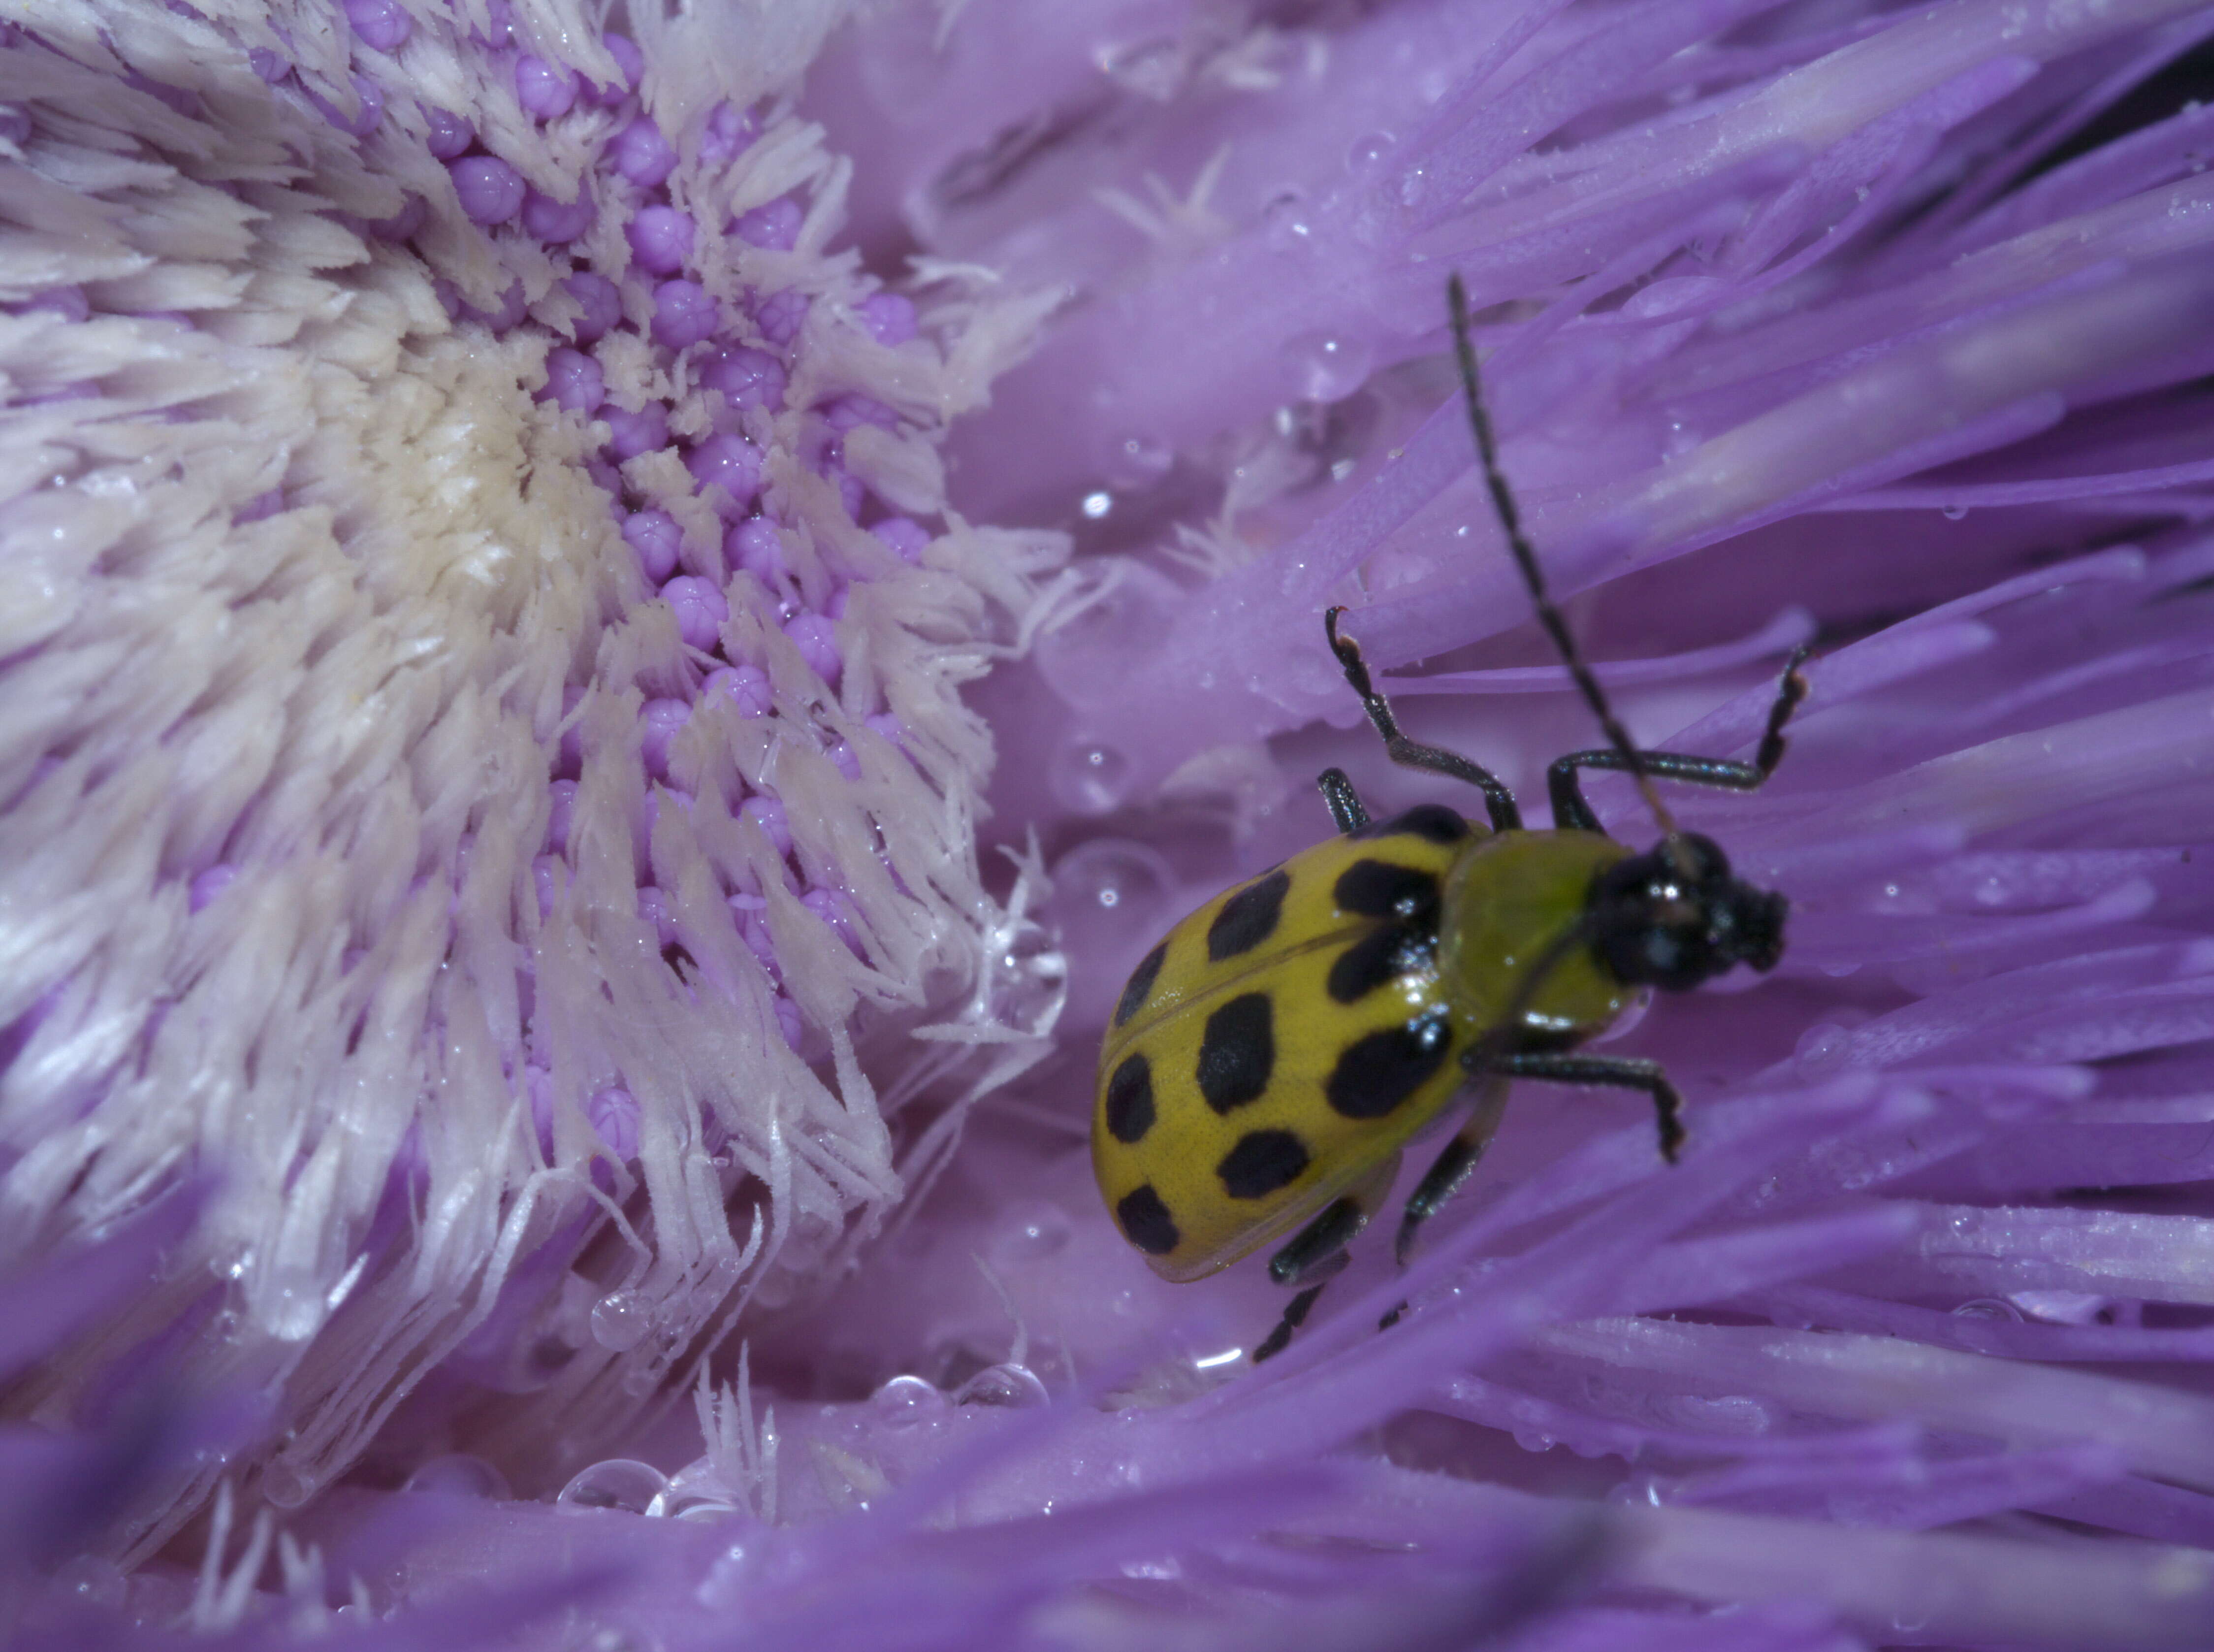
(1316, 1254)
(1623, 1071)
(1346, 807)
(1295, 1315)
(1454, 1167)
(1506, 816)
(1565, 788)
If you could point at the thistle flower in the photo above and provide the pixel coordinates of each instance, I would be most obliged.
(531, 1032)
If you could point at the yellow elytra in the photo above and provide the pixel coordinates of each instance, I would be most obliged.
(1268, 1060)
(1279, 1047)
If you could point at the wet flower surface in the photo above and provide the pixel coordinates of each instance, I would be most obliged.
(615, 633)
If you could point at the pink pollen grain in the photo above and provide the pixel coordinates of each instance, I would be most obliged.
(450, 136)
(542, 88)
(661, 239)
(379, 25)
(642, 155)
(601, 301)
(730, 463)
(491, 190)
(683, 314)
(701, 609)
(772, 228)
(556, 223)
(574, 380)
(630, 434)
(656, 537)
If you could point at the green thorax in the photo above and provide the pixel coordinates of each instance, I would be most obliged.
(1508, 901)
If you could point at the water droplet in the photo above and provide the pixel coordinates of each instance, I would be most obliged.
(1151, 69)
(286, 1486)
(2061, 1307)
(1286, 224)
(1367, 153)
(1988, 1307)
(1729, 1414)
(1089, 777)
(905, 1401)
(1138, 461)
(1118, 613)
(1165, 1569)
(92, 1580)
(1028, 983)
(1097, 504)
(1327, 368)
(1012, 1385)
(1953, 513)
(458, 1475)
(621, 1483)
(1823, 1042)
(1110, 895)
(1031, 1233)
(697, 1506)
(290, 1303)
(620, 1320)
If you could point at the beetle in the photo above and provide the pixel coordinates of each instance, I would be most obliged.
(1268, 1060)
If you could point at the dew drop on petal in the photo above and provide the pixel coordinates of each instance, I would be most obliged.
(1988, 1307)
(619, 1482)
(620, 1320)
(1326, 367)
(905, 1401)
(458, 1475)
(285, 1486)
(1286, 223)
(1088, 776)
(1136, 460)
(90, 1581)
(1153, 68)
(1031, 1233)
(1010, 1385)
(1367, 153)
(1111, 890)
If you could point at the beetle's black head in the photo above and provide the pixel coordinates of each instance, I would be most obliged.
(1674, 916)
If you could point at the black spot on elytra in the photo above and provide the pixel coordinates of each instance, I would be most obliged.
(1248, 918)
(1148, 1221)
(1376, 1074)
(1130, 1100)
(1261, 1162)
(1432, 822)
(1380, 957)
(1378, 889)
(1140, 987)
(1238, 1052)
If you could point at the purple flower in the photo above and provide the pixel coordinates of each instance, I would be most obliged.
(569, 831)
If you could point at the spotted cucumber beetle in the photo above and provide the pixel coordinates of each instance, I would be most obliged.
(1268, 1060)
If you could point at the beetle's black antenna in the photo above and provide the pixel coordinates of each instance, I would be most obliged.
(1526, 558)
